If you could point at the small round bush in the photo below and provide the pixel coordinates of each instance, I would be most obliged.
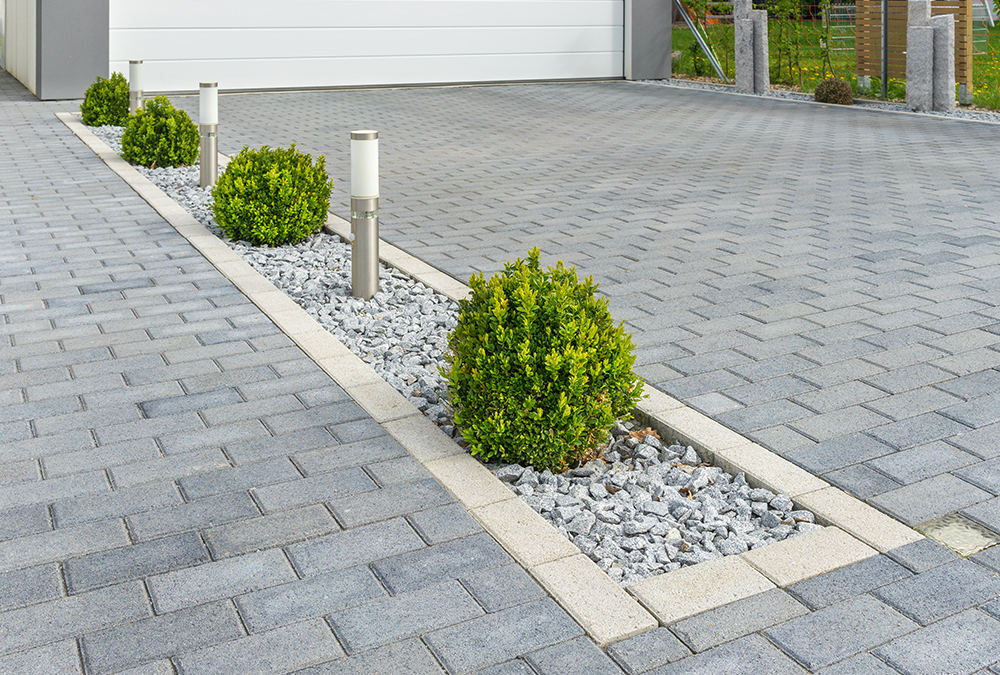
(106, 102)
(272, 196)
(834, 90)
(538, 372)
(160, 135)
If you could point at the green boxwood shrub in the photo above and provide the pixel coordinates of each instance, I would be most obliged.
(272, 196)
(106, 102)
(160, 135)
(538, 372)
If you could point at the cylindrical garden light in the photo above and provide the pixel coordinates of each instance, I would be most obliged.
(364, 213)
(134, 86)
(208, 126)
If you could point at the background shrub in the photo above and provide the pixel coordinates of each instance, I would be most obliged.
(160, 135)
(834, 90)
(538, 372)
(106, 102)
(272, 196)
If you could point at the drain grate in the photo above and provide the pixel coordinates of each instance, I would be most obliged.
(959, 533)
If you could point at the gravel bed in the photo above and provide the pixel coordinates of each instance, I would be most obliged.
(959, 113)
(639, 510)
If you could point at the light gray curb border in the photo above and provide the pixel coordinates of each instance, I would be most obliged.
(606, 612)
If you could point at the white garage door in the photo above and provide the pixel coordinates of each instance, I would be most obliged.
(268, 44)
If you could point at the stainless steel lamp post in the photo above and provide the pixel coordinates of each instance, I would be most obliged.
(364, 213)
(208, 126)
(134, 86)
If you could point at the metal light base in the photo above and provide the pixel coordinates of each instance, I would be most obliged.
(364, 247)
(134, 101)
(209, 154)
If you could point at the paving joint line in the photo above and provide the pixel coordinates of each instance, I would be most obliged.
(608, 613)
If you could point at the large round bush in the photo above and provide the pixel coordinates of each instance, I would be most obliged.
(272, 196)
(160, 135)
(538, 372)
(106, 102)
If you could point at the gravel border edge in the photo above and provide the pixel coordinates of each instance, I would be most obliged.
(606, 612)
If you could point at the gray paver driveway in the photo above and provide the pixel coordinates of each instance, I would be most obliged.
(819, 278)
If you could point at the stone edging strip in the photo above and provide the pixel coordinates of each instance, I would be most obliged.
(854, 532)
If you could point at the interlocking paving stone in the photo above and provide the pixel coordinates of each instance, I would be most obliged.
(358, 546)
(346, 456)
(985, 475)
(575, 656)
(182, 588)
(438, 563)
(989, 558)
(66, 617)
(390, 502)
(862, 664)
(986, 513)
(837, 453)
(444, 523)
(409, 656)
(136, 561)
(861, 481)
(839, 585)
(745, 656)
(501, 636)
(942, 591)
(962, 643)
(402, 616)
(238, 478)
(836, 632)
(925, 461)
(648, 650)
(24, 520)
(280, 650)
(133, 643)
(192, 515)
(738, 619)
(303, 491)
(116, 504)
(61, 544)
(60, 658)
(278, 529)
(502, 587)
(29, 586)
(932, 497)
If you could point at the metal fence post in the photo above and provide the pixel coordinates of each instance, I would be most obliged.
(364, 214)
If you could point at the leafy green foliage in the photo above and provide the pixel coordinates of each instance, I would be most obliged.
(538, 372)
(272, 196)
(106, 102)
(160, 135)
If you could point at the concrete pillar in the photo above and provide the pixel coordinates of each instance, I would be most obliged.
(944, 62)
(761, 61)
(744, 54)
(919, 55)
(648, 25)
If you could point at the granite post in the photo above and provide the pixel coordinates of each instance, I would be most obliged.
(919, 56)
(944, 62)
(761, 62)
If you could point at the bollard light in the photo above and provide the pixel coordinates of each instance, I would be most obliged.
(134, 86)
(208, 126)
(364, 213)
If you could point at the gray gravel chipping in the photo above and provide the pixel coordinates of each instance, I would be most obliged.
(642, 510)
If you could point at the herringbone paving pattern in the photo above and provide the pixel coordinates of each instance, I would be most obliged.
(821, 279)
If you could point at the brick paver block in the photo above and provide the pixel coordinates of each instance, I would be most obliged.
(61, 658)
(832, 634)
(647, 651)
(303, 491)
(932, 497)
(942, 591)
(502, 587)
(579, 655)
(192, 515)
(847, 582)
(501, 636)
(923, 555)
(358, 546)
(746, 656)
(737, 619)
(29, 586)
(278, 529)
(963, 643)
(441, 562)
(409, 656)
(444, 523)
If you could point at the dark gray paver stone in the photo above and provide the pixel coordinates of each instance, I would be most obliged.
(918, 430)
(962, 643)
(839, 631)
(925, 461)
(116, 504)
(501, 636)
(988, 558)
(350, 455)
(389, 502)
(444, 523)
(402, 616)
(60, 658)
(942, 591)
(29, 586)
(922, 555)
(515, 667)
(396, 471)
(278, 651)
(192, 515)
(649, 650)
(216, 580)
(919, 502)
(861, 481)
(981, 442)
(441, 562)
(359, 546)
(576, 656)
(862, 664)
(409, 656)
(750, 655)
(134, 562)
(985, 475)
(276, 529)
(311, 597)
(303, 491)
(238, 478)
(63, 543)
(738, 619)
(24, 520)
(839, 585)
(133, 643)
(67, 617)
(502, 587)
(837, 453)
(986, 513)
